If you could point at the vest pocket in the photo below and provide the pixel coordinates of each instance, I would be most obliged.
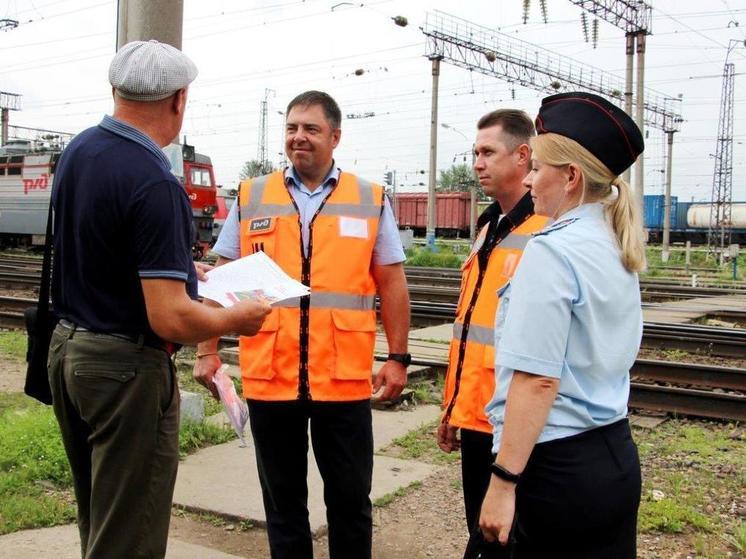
(354, 340)
(257, 352)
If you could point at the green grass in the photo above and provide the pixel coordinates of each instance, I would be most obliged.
(34, 474)
(193, 436)
(443, 257)
(388, 498)
(35, 479)
(699, 258)
(421, 445)
(13, 344)
(700, 469)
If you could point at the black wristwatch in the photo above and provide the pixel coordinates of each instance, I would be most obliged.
(403, 358)
(502, 473)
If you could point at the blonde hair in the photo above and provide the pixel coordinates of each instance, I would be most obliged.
(622, 212)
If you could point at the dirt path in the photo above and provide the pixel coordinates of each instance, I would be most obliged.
(12, 375)
(425, 523)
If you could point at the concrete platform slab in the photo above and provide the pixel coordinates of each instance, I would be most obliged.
(223, 479)
(63, 542)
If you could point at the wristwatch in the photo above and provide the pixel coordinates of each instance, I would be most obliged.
(403, 358)
(503, 473)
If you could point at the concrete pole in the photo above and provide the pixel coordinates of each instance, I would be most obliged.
(430, 232)
(473, 207)
(667, 200)
(142, 20)
(4, 119)
(630, 51)
(639, 119)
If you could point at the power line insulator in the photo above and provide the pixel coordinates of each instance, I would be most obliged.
(544, 12)
(595, 33)
(584, 24)
(526, 8)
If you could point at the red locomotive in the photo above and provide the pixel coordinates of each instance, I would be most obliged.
(26, 177)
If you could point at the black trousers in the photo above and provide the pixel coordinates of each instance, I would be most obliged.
(342, 438)
(476, 457)
(578, 497)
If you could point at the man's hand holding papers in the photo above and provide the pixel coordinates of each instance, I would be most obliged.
(252, 277)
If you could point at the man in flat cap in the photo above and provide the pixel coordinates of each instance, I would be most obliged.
(124, 288)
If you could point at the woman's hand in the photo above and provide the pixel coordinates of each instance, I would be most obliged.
(498, 510)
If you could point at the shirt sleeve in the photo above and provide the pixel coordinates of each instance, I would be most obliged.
(228, 243)
(388, 248)
(537, 322)
(163, 233)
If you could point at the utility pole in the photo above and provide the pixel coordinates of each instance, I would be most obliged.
(719, 230)
(142, 20)
(430, 231)
(263, 149)
(670, 129)
(8, 102)
(635, 17)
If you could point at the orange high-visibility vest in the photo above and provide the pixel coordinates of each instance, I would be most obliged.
(470, 379)
(320, 346)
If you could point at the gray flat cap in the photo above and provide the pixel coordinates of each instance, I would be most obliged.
(150, 71)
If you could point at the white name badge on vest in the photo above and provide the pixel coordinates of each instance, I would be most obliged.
(353, 227)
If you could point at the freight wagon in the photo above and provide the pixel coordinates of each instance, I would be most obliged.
(689, 220)
(451, 215)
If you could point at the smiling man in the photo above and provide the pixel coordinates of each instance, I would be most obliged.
(502, 161)
(312, 360)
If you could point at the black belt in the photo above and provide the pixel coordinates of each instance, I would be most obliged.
(149, 340)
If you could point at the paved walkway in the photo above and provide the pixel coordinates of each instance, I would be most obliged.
(222, 480)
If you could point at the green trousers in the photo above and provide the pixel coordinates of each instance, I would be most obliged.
(117, 404)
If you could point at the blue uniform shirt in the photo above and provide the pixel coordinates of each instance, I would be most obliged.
(572, 312)
(388, 247)
(120, 215)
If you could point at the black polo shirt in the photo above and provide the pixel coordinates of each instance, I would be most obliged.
(120, 215)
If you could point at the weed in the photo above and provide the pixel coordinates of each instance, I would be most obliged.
(13, 344)
(668, 515)
(420, 444)
(193, 436)
(388, 498)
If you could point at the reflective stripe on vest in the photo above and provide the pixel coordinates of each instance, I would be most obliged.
(255, 208)
(477, 334)
(334, 301)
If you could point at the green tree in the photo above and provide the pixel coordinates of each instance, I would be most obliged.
(254, 168)
(459, 178)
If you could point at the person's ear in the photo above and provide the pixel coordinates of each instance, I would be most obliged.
(523, 152)
(179, 101)
(574, 178)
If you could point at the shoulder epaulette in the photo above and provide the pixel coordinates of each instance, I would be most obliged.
(556, 226)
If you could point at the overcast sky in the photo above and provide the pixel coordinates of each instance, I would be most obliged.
(58, 56)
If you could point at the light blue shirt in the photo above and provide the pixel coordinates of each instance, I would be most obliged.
(387, 249)
(572, 312)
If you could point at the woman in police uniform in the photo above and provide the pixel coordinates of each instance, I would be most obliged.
(566, 477)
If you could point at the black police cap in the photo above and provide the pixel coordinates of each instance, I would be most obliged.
(600, 127)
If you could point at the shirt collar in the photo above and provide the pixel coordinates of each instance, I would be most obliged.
(592, 209)
(331, 178)
(131, 133)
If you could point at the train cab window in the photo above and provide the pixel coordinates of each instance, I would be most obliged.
(15, 165)
(55, 158)
(201, 177)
